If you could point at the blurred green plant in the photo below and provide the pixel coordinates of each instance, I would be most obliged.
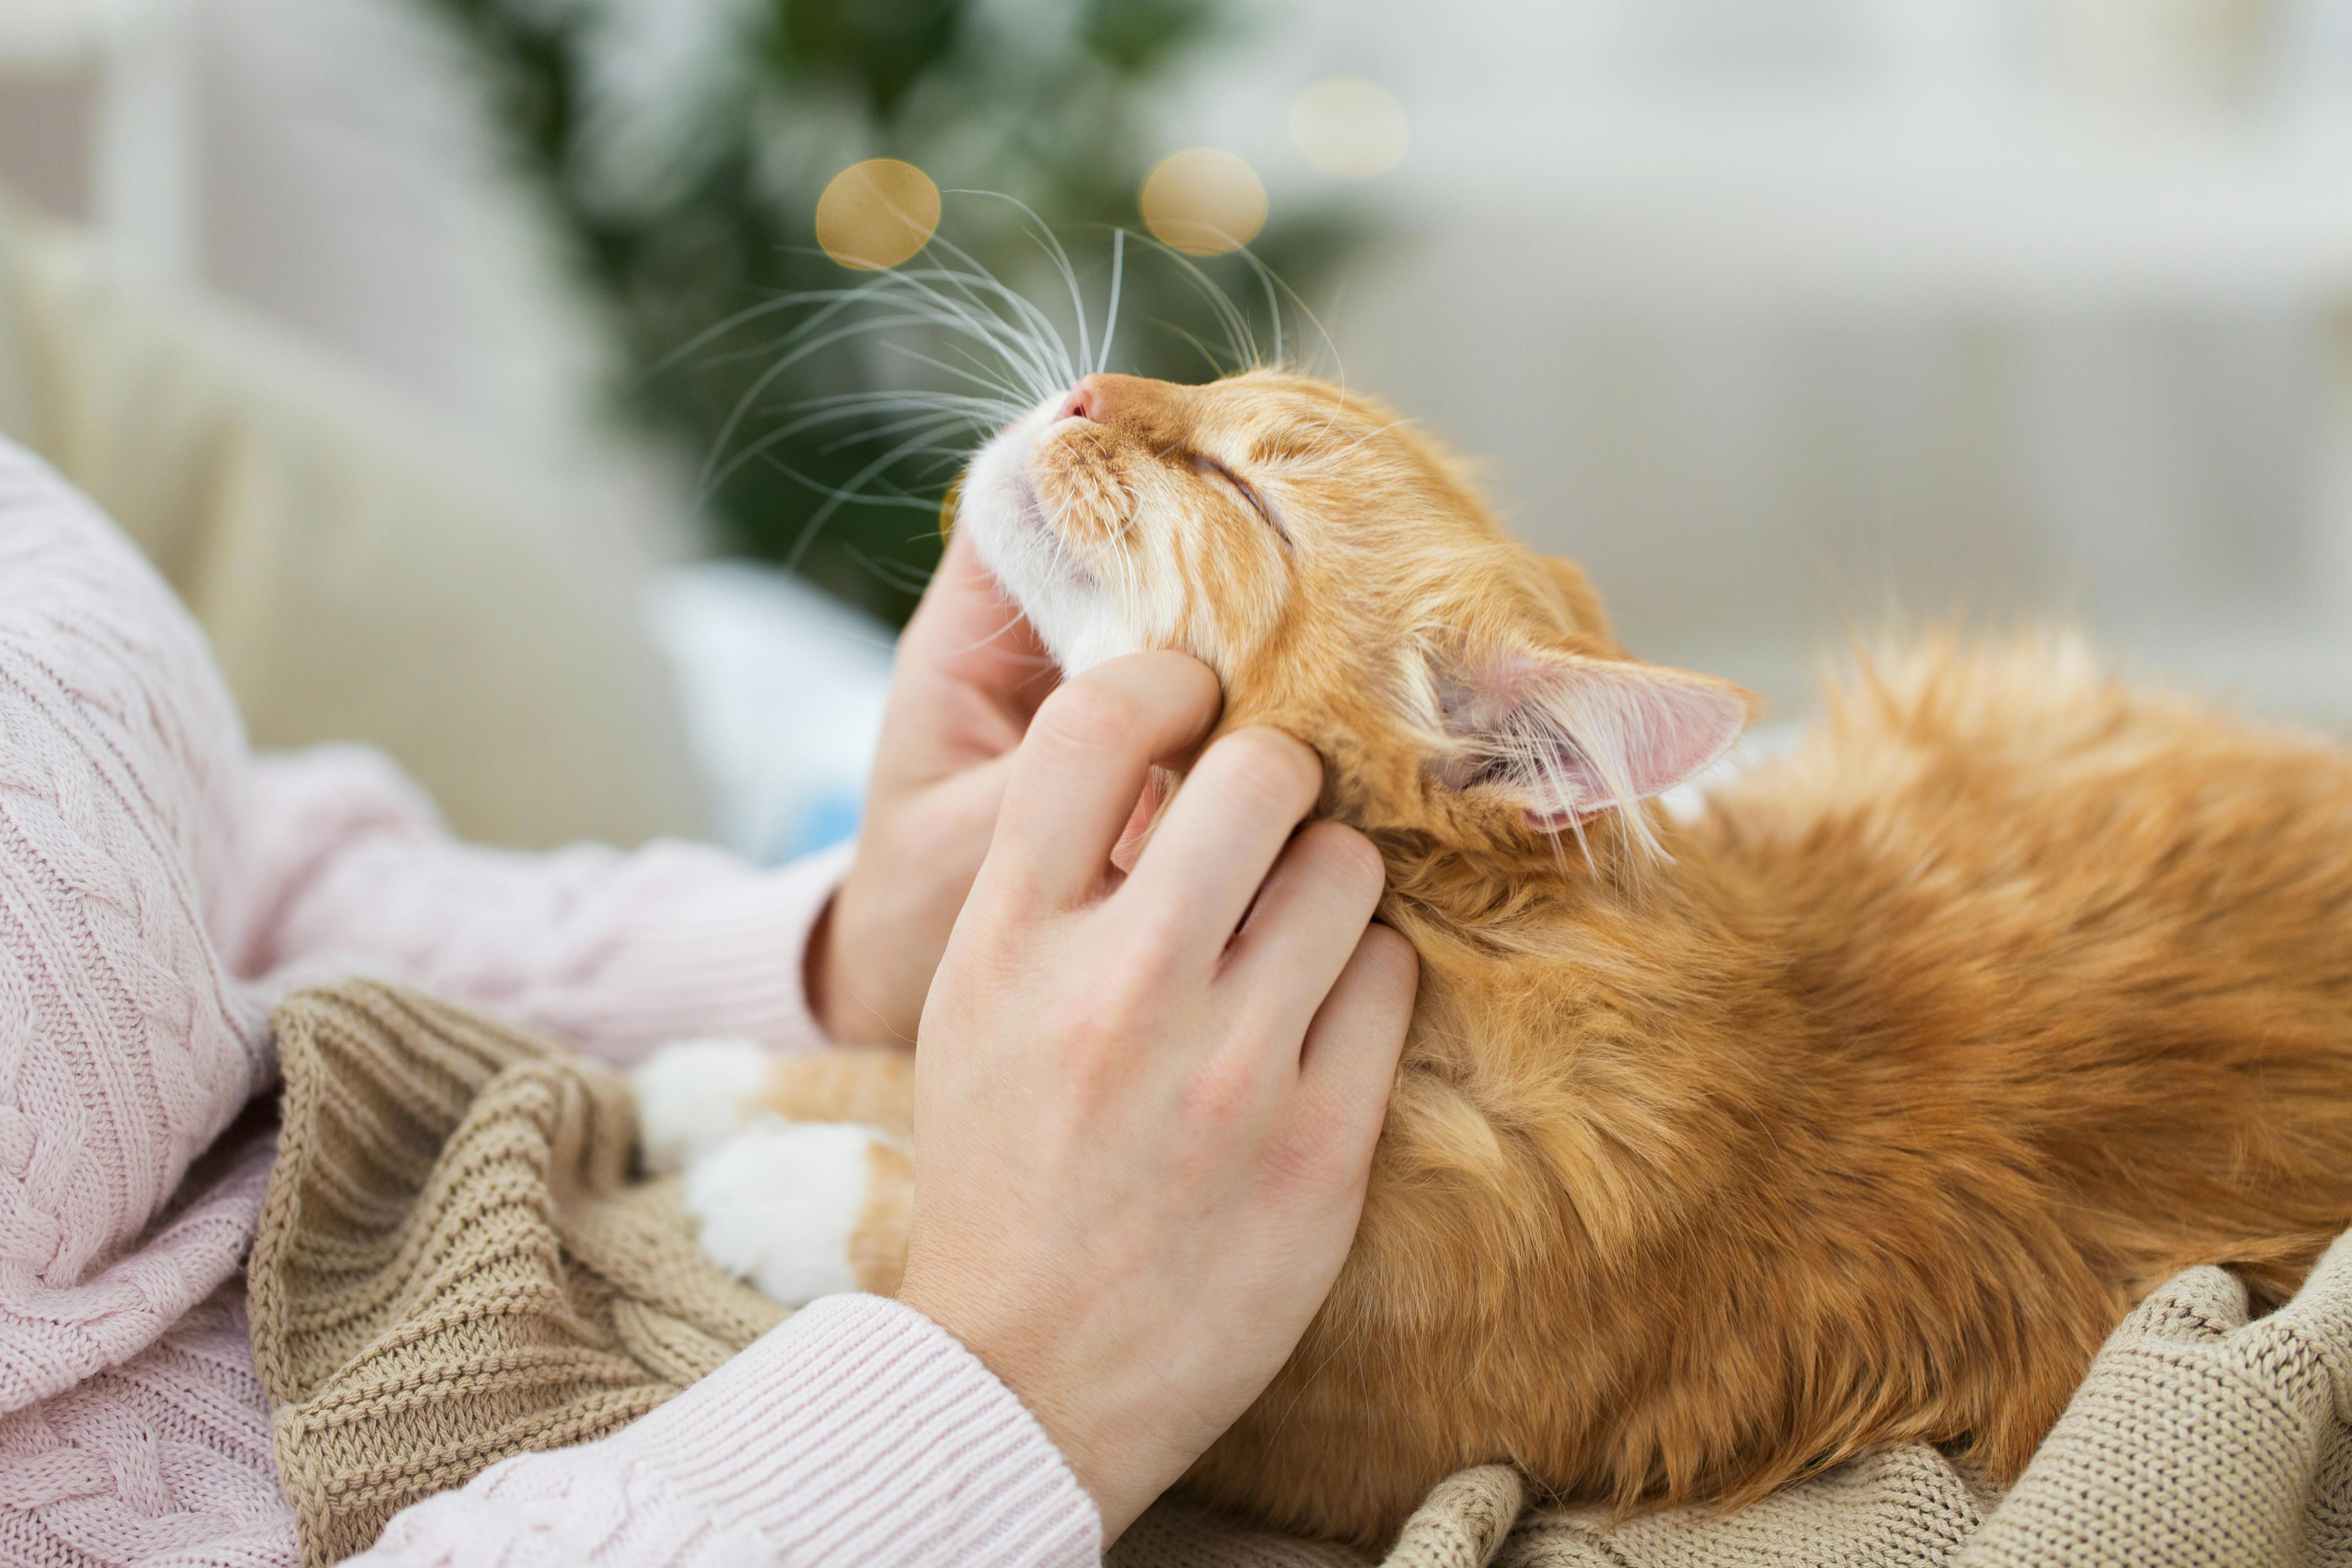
(684, 144)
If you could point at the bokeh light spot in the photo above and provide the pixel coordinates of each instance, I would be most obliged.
(1203, 201)
(877, 213)
(1350, 126)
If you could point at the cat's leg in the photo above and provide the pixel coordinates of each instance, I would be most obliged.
(874, 1085)
(694, 1096)
(797, 1165)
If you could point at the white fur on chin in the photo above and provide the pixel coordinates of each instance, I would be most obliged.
(1076, 616)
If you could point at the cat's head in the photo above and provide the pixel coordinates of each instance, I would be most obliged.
(1337, 571)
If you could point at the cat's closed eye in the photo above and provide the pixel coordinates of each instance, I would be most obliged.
(1203, 464)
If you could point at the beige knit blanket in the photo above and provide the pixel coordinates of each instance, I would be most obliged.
(452, 1267)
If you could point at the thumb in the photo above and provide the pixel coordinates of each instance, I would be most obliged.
(968, 630)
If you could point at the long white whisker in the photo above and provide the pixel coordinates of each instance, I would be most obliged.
(1012, 343)
(1238, 335)
(988, 355)
(840, 300)
(1023, 340)
(1110, 315)
(1273, 305)
(1009, 402)
(841, 495)
(1045, 351)
(1042, 233)
(712, 480)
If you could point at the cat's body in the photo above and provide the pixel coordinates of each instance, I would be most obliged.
(1863, 1119)
(1856, 1109)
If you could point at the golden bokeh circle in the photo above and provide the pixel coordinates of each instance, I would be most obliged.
(1351, 127)
(1203, 201)
(877, 213)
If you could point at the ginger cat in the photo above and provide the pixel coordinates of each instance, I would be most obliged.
(1854, 1110)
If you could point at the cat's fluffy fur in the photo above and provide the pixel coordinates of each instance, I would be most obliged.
(1856, 1110)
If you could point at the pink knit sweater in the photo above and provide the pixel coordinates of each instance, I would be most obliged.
(160, 889)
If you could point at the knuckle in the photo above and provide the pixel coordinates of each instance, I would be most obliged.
(1156, 937)
(1125, 1002)
(1309, 1155)
(1111, 1014)
(1224, 1089)
(1096, 1042)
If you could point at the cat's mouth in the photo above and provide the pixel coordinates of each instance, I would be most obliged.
(1006, 513)
(1019, 543)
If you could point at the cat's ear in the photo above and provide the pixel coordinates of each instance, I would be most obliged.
(1568, 736)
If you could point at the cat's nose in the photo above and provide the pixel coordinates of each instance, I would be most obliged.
(1090, 399)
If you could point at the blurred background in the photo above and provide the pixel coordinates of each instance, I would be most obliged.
(437, 349)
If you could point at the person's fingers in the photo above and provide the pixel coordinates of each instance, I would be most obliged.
(1308, 920)
(968, 630)
(1349, 1063)
(1220, 836)
(1079, 772)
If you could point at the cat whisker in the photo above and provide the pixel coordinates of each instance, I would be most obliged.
(1111, 313)
(1042, 233)
(1045, 351)
(919, 418)
(1273, 305)
(1005, 630)
(904, 578)
(716, 473)
(1238, 334)
(1007, 403)
(838, 496)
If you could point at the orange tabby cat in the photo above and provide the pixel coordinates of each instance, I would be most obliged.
(1854, 1110)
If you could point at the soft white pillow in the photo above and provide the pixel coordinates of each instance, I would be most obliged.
(363, 575)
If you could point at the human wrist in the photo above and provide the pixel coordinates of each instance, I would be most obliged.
(930, 1455)
(1110, 1457)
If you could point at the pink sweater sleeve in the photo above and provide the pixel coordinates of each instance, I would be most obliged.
(859, 1434)
(614, 952)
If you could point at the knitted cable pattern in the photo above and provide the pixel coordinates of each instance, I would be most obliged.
(452, 1268)
(125, 1050)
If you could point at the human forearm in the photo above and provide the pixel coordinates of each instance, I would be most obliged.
(856, 1433)
(616, 952)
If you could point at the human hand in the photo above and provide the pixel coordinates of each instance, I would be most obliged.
(1142, 1135)
(969, 673)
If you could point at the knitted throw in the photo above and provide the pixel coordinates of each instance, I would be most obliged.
(453, 1269)
(451, 1266)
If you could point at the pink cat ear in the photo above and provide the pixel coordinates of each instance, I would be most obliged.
(1569, 737)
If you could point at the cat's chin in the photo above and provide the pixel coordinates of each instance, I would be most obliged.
(1017, 542)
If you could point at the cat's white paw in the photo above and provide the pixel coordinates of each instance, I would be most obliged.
(778, 1204)
(694, 1096)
